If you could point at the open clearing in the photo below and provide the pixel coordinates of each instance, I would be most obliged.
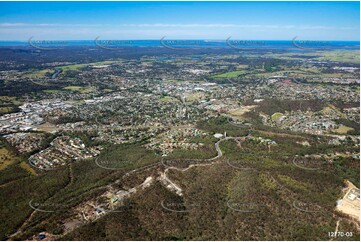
(350, 203)
(75, 67)
(230, 74)
(28, 168)
(239, 112)
(79, 89)
(39, 74)
(47, 127)
(190, 97)
(343, 129)
(276, 115)
(6, 158)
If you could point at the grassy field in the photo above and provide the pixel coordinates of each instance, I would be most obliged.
(190, 97)
(6, 158)
(79, 89)
(239, 112)
(51, 91)
(47, 127)
(276, 115)
(76, 67)
(8, 104)
(4, 110)
(27, 168)
(39, 73)
(343, 129)
(9, 99)
(73, 67)
(309, 73)
(230, 74)
(242, 66)
(73, 88)
(351, 56)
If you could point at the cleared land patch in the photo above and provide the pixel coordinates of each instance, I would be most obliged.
(343, 129)
(239, 112)
(230, 74)
(276, 115)
(27, 168)
(79, 89)
(6, 158)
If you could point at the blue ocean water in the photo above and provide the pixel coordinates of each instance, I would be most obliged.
(238, 44)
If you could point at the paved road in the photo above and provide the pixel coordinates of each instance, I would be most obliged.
(178, 189)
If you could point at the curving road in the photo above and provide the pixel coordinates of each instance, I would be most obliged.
(171, 185)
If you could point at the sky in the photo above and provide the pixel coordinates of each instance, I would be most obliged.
(179, 20)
